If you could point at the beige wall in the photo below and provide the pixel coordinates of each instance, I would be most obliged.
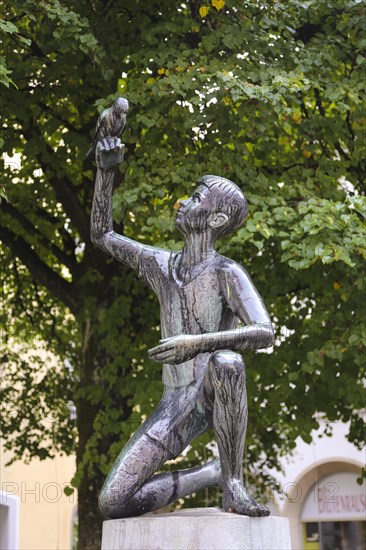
(45, 511)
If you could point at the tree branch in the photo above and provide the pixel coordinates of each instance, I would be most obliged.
(341, 151)
(319, 102)
(60, 288)
(303, 106)
(63, 122)
(48, 311)
(63, 187)
(349, 125)
(19, 292)
(30, 229)
(67, 240)
(277, 171)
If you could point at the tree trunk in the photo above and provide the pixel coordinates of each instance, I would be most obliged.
(95, 358)
(89, 517)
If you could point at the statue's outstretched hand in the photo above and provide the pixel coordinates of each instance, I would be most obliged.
(109, 153)
(177, 349)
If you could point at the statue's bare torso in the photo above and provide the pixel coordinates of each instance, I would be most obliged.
(215, 300)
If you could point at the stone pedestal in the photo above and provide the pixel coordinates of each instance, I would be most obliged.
(196, 529)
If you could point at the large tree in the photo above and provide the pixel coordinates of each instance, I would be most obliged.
(266, 93)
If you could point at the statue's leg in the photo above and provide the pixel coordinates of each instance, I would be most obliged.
(131, 487)
(164, 488)
(137, 462)
(230, 413)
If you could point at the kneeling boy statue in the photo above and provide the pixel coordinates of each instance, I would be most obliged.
(202, 297)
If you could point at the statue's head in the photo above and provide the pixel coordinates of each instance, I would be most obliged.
(217, 204)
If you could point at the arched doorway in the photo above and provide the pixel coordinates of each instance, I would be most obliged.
(327, 507)
(333, 513)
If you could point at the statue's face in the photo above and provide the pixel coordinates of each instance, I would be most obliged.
(193, 213)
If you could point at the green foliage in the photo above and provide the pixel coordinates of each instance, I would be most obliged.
(268, 94)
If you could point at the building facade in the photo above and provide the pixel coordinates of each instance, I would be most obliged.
(320, 494)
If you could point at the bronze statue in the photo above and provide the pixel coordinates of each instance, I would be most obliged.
(202, 296)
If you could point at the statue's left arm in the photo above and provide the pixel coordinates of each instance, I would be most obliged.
(244, 300)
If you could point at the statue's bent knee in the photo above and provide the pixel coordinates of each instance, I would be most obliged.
(227, 363)
(113, 501)
(106, 504)
(115, 495)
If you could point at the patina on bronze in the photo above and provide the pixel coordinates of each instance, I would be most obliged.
(203, 296)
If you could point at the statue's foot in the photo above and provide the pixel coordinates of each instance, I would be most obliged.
(236, 499)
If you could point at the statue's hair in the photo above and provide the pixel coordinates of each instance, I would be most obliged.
(230, 200)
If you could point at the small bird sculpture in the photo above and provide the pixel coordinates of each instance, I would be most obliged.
(111, 122)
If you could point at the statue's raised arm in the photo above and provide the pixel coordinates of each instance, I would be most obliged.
(109, 154)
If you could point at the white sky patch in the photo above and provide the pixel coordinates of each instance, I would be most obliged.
(211, 101)
(243, 55)
(347, 186)
(38, 173)
(186, 104)
(79, 249)
(12, 162)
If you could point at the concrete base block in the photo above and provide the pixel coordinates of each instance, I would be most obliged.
(196, 529)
